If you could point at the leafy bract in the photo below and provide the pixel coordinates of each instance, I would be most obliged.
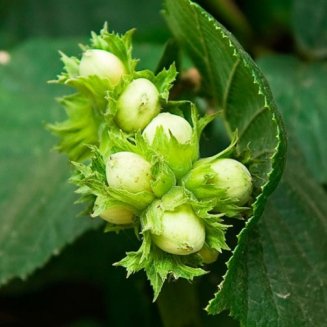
(201, 180)
(81, 118)
(163, 80)
(149, 211)
(94, 189)
(158, 264)
(92, 109)
(300, 91)
(241, 93)
(85, 109)
(180, 156)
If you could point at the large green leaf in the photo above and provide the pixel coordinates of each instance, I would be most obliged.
(310, 27)
(300, 91)
(281, 273)
(241, 93)
(38, 216)
(238, 88)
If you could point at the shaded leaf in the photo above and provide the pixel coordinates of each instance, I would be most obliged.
(280, 278)
(38, 216)
(237, 87)
(300, 91)
(310, 27)
(240, 91)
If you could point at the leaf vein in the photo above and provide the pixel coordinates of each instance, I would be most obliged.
(251, 120)
(229, 82)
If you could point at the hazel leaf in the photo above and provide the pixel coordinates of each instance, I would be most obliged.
(240, 91)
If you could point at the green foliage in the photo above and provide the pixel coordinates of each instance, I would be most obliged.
(300, 91)
(37, 218)
(235, 84)
(276, 275)
(257, 297)
(312, 41)
(58, 18)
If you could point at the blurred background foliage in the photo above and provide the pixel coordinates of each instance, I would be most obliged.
(271, 24)
(80, 287)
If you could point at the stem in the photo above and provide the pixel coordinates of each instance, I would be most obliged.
(178, 305)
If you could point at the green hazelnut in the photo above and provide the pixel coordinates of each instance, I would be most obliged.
(226, 179)
(208, 255)
(137, 105)
(118, 214)
(182, 233)
(234, 178)
(128, 171)
(172, 125)
(103, 64)
(172, 137)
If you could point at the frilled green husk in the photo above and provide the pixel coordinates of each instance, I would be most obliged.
(158, 264)
(201, 182)
(91, 180)
(163, 81)
(90, 132)
(95, 100)
(180, 157)
(86, 109)
(80, 129)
